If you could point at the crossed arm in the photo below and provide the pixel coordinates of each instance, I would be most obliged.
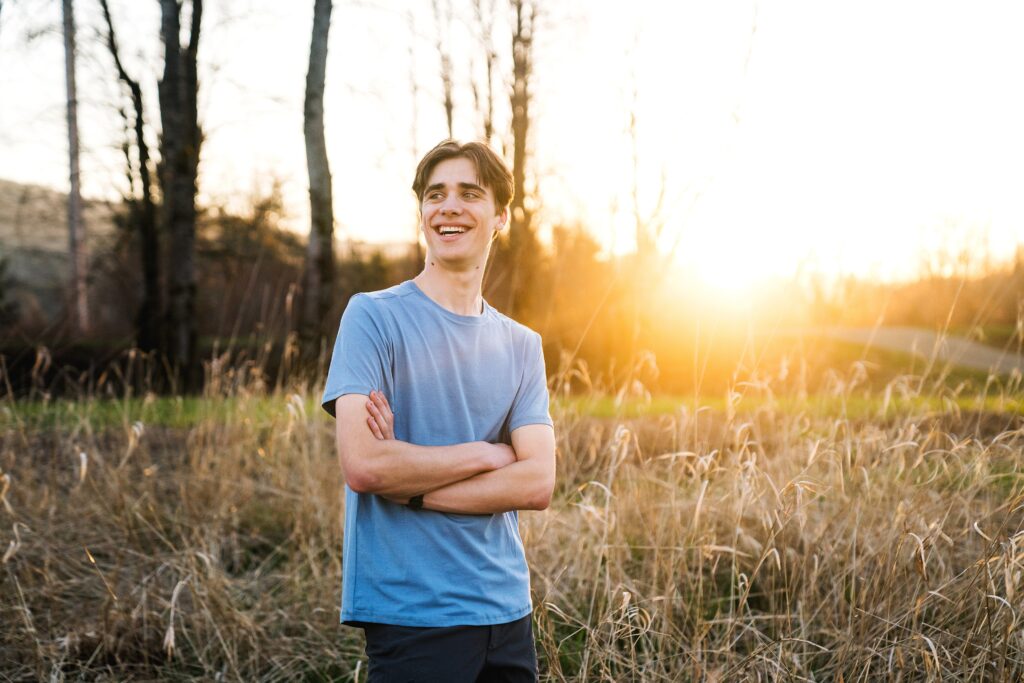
(467, 478)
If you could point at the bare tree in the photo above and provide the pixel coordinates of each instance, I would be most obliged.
(319, 275)
(648, 228)
(149, 319)
(516, 264)
(524, 13)
(515, 260)
(483, 95)
(179, 165)
(76, 228)
(443, 20)
(414, 86)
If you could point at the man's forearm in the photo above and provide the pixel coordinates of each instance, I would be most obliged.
(523, 485)
(393, 468)
(398, 469)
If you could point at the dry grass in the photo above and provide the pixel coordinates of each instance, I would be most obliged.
(774, 547)
(775, 544)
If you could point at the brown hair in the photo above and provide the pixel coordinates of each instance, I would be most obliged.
(491, 170)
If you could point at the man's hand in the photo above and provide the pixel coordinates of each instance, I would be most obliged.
(381, 419)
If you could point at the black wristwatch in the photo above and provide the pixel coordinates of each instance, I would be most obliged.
(415, 503)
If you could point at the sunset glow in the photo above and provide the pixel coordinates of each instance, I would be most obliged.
(782, 137)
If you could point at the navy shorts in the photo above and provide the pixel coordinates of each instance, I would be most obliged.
(451, 654)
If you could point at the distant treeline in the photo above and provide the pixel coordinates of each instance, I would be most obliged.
(626, 323)
(986, 303)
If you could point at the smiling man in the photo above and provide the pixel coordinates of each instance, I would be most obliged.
(443, 434)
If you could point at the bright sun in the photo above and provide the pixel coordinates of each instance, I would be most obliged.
(730, 273)
(735, 256)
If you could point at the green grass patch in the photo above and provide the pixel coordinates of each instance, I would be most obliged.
(857, 406)
(164, 411)
(186, 412)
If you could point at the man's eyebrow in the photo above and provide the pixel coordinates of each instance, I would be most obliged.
(462, 186)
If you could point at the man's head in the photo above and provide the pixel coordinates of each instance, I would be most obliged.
(490, 170)
(464, 192)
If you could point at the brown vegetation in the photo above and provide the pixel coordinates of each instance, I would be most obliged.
(772, 543)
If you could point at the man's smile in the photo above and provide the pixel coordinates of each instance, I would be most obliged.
(450, 230)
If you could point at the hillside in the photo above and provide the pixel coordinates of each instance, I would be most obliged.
(34, 243)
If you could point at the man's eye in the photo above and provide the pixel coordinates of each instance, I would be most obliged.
(434, 195)
(471, 195)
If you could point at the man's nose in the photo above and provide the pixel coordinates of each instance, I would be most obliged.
(451, 206)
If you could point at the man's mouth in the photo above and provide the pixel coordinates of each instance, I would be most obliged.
(451, 229)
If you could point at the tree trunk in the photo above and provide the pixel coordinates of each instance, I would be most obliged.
(483, 11)
(417, 252)
(443, 20)
(489, 112)
(520, 230)
(319, 285)
(77, 254)
(179, 143)
(149, 334)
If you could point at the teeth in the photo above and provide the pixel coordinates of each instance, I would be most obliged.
(451, 229)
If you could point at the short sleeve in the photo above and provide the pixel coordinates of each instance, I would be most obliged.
(360, 353)
(530, 405)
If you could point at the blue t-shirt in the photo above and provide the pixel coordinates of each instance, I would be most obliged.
(449, 379)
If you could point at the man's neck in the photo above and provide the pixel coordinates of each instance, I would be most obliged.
(457, 291)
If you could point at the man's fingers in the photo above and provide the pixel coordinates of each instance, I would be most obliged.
(371, 408)
(381, 419)
(375, 415)
(374, 428)
(382, 404)
(380, 425)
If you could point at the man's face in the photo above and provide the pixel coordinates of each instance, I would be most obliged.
(458, 214)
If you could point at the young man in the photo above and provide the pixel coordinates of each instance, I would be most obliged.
(443, 434)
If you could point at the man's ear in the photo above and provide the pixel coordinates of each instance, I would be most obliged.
(502, 224)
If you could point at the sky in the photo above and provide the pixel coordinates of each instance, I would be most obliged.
(787, 137)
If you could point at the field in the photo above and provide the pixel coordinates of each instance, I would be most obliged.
(859, 533)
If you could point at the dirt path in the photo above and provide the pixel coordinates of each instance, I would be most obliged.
(928, 344)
